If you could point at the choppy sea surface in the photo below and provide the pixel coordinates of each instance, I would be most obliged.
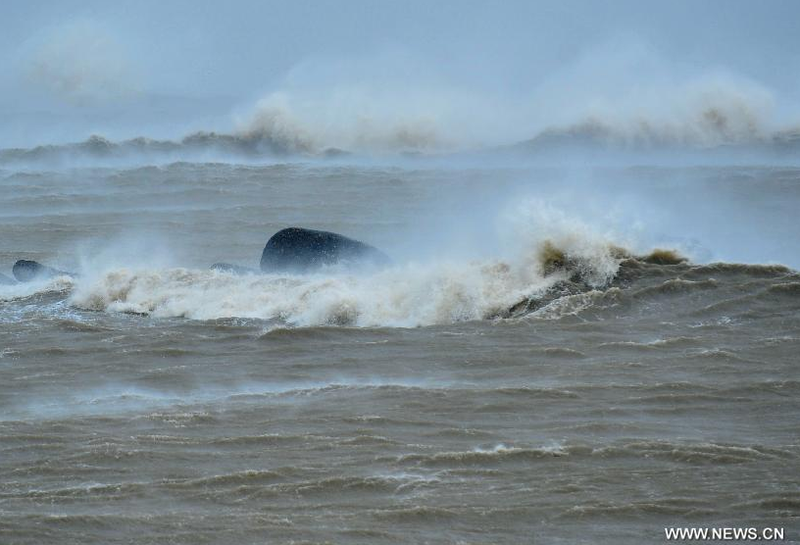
(526, 371)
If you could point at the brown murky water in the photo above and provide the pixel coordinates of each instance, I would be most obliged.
(151, 400)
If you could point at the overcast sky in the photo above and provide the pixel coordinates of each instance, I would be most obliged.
(93, 61)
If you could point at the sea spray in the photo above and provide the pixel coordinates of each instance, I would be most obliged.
(405, 295)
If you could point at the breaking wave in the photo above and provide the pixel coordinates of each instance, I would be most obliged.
(273, 137)
(706, 115)
(547, 284)
(571, 276)
(712, 131)
(14, 291)
(405, 295)
(251, 144)
(569, 280)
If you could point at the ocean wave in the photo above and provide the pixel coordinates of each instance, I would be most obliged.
(481, 456)
(202, 145)
(669, 507)
(693, 453)
(23, 290)
(269, 132)
(678, 452)
(712, 112)
(407, 295)
(708, 111)
(245, 477)
(713, 131)
(277, 142)
(548, 266)
(710, 119)
(590, 282)
(334, 486)
(416, 514)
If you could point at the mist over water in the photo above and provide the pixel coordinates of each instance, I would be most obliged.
(587, 330)
(307, 78)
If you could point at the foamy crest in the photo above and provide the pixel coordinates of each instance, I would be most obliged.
(377, 111)
(705, 112)
(555, 235)
(273, 122)
(307, 126)
(539, 248)
(22, 290)
(402, 296)
(409, 295)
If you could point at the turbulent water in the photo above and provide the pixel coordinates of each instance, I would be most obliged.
(526, 370)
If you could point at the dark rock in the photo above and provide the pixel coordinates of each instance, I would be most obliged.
(302, 250)
(25, 271)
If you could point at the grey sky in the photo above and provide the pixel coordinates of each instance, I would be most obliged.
(62, 56)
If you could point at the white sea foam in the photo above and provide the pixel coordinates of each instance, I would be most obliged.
(405, 295)
(22, 290)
